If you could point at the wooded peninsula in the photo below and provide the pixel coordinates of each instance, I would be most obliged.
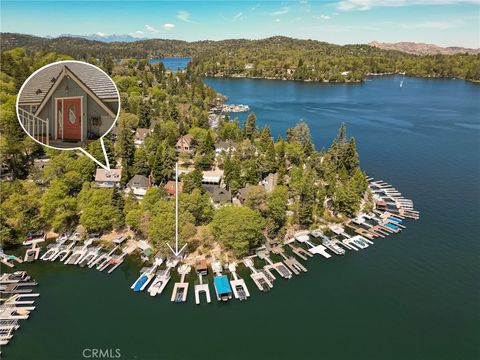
(239, 185)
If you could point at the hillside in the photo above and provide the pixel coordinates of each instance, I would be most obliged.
(276, 57)
(423, 49)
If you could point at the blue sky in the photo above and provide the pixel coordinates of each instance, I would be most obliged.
(443, 22)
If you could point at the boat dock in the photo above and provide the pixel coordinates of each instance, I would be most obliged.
(146, 275)
(293, 264)
(64, 252)
(8, 259)
(102, 259)
(201, 268)
(33, 253)
(180, 289)
(221, 283)
(16, 307)
(77, 253)
(90, 256)
(201, 287)
(279, 267)
(240, 290)
(300, 252)
(112, 261)
(259, 278)
(314, 249)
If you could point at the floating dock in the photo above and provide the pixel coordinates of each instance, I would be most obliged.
(314, 249)
(202, 288)
(33, 253)
(147, 274)
(300, 252)
(293, 264)
(180, 289)
(259, 278)
(102, 259)
(16, 307)
(240, 290)
(160, 282)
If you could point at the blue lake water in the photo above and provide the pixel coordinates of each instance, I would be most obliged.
(173, 64)
(410, 296)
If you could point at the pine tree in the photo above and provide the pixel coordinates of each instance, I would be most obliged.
(140, 163)
(193, 180)
(144, 115)
(250, 126)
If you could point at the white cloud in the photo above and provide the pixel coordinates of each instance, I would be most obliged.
(238, 16)
(282, 11)
(431, 25)
(102, 34)
(168, 26)
(362, 5)
(184, 16)
(325, 17)
(138, 33)
(151, 29)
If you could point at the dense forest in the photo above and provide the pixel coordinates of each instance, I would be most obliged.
(276, 57)
(314, 187)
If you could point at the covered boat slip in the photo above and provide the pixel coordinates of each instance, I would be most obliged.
(68, 104)
(222, 287)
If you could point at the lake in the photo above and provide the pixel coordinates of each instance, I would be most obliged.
(173, 64)
(410, 296)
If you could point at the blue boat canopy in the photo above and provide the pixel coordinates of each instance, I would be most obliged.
(222, 285)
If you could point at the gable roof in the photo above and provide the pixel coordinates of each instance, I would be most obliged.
(185, 141)
(37, 88)
(221, 195)
(170, 187)
(139, 181)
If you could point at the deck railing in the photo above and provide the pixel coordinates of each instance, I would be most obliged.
(37, 128)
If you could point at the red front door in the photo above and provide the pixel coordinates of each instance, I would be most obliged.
(72, 122)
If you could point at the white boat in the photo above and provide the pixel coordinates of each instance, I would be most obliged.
(160, 282)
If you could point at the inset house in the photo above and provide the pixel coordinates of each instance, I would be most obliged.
(108, 178)
(68, 104)
(138, 186)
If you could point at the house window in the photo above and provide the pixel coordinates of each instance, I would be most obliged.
(72, 111)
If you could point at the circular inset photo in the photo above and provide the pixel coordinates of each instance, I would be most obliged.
(68, 104)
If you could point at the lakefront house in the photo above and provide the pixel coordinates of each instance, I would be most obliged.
(108, 178)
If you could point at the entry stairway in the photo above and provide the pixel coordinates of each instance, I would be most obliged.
(36, 127)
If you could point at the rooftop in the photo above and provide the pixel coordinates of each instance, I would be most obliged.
(108, 175)
(38, 86)
(222, 285)
(170, 187)
(139, 181)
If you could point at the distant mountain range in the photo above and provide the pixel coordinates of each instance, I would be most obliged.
(423, 49)
(101, 37)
